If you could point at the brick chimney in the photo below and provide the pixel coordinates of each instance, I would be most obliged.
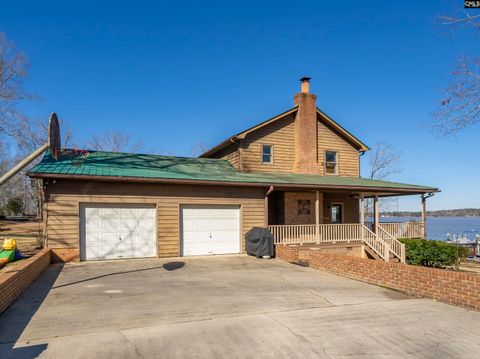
(306, 149)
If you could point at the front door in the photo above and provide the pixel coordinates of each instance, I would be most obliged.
(337, 213)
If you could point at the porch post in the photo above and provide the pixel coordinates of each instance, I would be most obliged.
(375, 213)
(317, 217)
(362, 215)
(362, 209)
(424, 217)
(270, 190)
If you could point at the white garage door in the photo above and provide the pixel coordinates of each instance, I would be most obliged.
(210, 230)
(112, 231)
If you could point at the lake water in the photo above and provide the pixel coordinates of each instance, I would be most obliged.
(440, 227)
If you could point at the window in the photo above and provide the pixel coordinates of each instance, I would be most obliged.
(331, 164)
(267, 154)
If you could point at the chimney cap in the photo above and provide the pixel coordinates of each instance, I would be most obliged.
(305, 79)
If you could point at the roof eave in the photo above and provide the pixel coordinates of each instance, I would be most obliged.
(357, 188)
(359, 144)
(218, 147)
(241, 135)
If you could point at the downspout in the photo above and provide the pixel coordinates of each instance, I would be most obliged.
(424, 212)
(361, 153)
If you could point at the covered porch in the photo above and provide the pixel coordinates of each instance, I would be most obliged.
(319, 217)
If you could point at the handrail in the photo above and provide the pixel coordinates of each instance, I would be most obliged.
(379, 246)
(396, 247)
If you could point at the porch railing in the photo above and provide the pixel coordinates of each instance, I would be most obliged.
(306, 233)
(330, 233)
(403, 229)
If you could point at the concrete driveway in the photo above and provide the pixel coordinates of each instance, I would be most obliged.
(226, 306)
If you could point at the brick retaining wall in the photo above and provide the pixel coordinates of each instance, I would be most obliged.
(452, 287)
(14, 280)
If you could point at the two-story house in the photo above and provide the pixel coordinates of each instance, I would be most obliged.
(297, 173)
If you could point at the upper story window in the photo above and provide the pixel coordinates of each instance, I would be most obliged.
(331, 163)
(267, 154)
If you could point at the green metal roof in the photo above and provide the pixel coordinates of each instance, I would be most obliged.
(143, 166)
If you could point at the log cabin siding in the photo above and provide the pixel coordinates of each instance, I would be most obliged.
(231, 154)
(348, 156)
(63, 198)
(279, 134)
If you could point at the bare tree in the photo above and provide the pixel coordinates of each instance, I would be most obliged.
(460, 107)
(13, 71)
(384, 160)
(198, 149)
(19, 135)
(116, 141)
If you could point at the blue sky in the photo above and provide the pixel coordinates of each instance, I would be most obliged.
(178, 73)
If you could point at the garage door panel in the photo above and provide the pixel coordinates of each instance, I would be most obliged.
(226, 247)
(118, 231)
(144, 235)
(231, 213)
(188, 235)
(144, 213)
(92, 211)
(106, 213)
(217, 223)
(232, 223)
(94, 252)
(111, 224)
(202, 223)
(129, 224)
(146, 223)
(110, 237)
(210, 230)
(201, 235)
(188, 224)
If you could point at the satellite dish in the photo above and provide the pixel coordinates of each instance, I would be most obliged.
(54, 141)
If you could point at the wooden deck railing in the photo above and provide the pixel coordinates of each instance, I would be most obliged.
(330, 233)
(403, 229)
(306, 233)
(293, 234)
(412, 229)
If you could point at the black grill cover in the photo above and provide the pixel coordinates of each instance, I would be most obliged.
(259, 242)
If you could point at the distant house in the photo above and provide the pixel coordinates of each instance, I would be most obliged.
(298, 173)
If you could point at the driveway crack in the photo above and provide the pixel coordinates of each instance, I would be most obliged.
(137, 352)
(299, 336)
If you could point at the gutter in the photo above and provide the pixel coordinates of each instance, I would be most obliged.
(233, 184)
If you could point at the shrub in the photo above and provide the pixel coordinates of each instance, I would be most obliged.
(14, 206)
(436, 254)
